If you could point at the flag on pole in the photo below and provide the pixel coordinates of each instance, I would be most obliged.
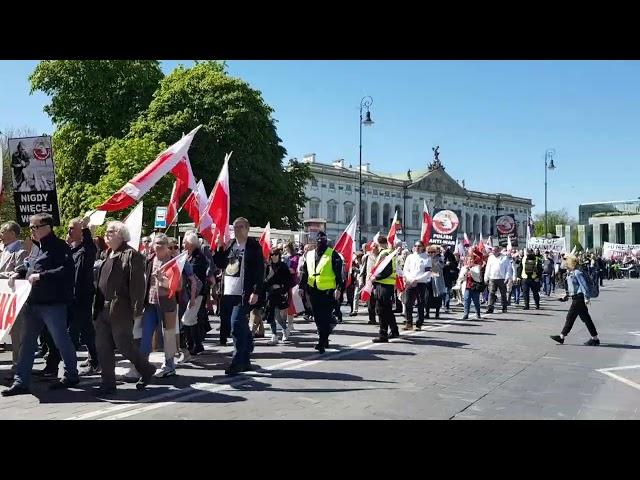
(466, 242)
(134, 225)
(173, 271)
(391, 237)
(176, 193)
(489, 246)
(365, 294)
(346, 246)
(196, 203)
(219, 203)
(265, 241)
(509, 246)
(529, 225)
(174, 159)
(425, 233)
(481, 244)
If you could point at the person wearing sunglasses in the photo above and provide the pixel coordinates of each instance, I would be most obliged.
(51, 279)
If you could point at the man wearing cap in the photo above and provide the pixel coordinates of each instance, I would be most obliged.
(321, 278)
(384, 284)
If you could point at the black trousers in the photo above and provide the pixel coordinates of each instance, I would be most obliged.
(494, 285)
(384, 302)
(579, 309)
(351, 290)
(534, 286)
(81, 331)
(432, 301)
(413, 294)
(322, 304)
(371, 307)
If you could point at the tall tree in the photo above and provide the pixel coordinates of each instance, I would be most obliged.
(555, 217)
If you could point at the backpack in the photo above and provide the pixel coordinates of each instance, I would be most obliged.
(530, 267)
(593, 287)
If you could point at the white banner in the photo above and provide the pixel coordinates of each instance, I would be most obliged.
(555, 245)
(11, 302)
(617, 249)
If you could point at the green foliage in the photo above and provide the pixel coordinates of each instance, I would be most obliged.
(554, 217)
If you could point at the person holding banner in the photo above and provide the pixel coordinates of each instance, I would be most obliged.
(321, 278)
(51, 278)
(384, 285)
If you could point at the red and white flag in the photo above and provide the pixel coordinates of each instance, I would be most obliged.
(481, 244)
(346, 246)
(174, 159)
(219, 204)
(196, 203)
(177, 192)
(391, 237)
(466, 242)
(365, 294)
(489, 246)
(369, 245)
(265, 241)
(173, 271)
(425, 233)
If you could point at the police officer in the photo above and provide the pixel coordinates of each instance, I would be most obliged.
(531, 275)
(384, 284)
(321, 278)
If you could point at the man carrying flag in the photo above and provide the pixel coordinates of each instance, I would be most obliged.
(368, 263)
(384, 283)
(321, 279)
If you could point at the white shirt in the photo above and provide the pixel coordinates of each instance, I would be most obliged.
(234, 273)
(498, 268)
(415, 268)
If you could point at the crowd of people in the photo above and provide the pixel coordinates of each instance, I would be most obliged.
(101, 294)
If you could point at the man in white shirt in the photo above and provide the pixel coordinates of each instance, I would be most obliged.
(416, 273)
(497, 272)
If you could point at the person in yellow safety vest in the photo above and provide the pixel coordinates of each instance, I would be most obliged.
(321, 278)
(384, 284)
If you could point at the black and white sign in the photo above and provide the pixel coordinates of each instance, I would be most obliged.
(506, 226)
(34, 179)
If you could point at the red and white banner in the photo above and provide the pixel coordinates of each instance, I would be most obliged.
(173, 271)
(196, 203)
(11, 302)
(265, 241)
(391, 237)
(365, 294)
(174, 159)
(425, 233)
(346, 246)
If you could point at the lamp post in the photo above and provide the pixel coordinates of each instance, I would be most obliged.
(548, 165)
(365, 103)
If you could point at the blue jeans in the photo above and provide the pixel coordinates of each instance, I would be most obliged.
(546, 280)
(151, 322)
(55, 318)
(470, 295)
(516, 289)
(242, 339)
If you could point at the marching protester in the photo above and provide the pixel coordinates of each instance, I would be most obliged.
(471, 282)
(497, 273)
(516, 289)
(578, 291)
(277, 284)
(436, 288)
(548, 267)
(243, 267)
(292, 263)
(531, 274)
(321, 278)
(12, 258)
(384, 283)
(416, 273)
(450, 273)
(51, 279)
(368, 262)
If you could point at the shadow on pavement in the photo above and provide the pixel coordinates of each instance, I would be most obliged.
(465, 333)
(620, 345)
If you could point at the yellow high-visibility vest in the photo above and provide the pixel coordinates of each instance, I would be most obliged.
(321, 276)
(391, 279)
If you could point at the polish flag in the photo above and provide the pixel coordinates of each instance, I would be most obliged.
(481, 246)
(391, 237)
(134, 225)
(369, 245)
(196, 202)
(219, 203)
(425, 233)
(400, 283)
(174, 159)
(509, 246)
(365, 294)
(346, 246)
(178, 190)
(466, 242)
(173, 271)
(265, 241)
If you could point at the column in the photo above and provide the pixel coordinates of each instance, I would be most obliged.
(613, 233)
(559, 230)
(628, 232)
(567, 237)
(597, 238)
(582, 236)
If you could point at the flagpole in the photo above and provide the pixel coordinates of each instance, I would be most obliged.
(176, 218)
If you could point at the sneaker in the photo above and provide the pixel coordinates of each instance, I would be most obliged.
(86, 363)
(185, 356)
(286, 335)
(319, 347)
(146, 379)
(165, 371)
(131, 375)
(407, 327)
(478, 317)
(353, 314)
(464, 317)
(489, 310)
(537, 307)
(418, 328)
(89, 370)
(558, 339)
(198, 349)
(273, 341)
(64, 384)
(394, 335)
(372, 323)
(380, 340)
(592, 342)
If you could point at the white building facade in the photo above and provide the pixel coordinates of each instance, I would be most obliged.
(333, 195)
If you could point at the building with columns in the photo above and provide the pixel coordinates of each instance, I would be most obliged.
(615, 222)
(333, 195)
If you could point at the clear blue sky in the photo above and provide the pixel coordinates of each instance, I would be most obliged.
(493, 120)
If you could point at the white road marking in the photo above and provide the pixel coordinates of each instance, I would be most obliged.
(207, 388)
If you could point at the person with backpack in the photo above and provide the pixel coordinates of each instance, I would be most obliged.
(531, 275)
(581, 289)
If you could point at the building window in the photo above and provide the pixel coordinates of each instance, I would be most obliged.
(324, 185)
(374, 214)
(415, 215)
(314, 182)
(375, 192)
(332, 186)
(332, 211)
(314, 208)
(386, 215)
(348, 211)
(386, 194)
(348, 188)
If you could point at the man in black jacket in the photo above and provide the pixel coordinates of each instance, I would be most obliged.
(243, 265)
(51, 277)
(81, 330)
